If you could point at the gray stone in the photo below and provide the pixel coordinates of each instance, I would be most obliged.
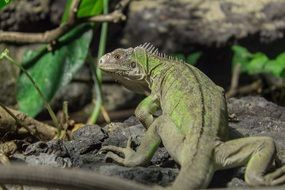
(254, 116)
(177, 25)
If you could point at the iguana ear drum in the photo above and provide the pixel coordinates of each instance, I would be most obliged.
(133, 65)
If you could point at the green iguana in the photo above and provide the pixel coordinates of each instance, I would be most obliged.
(193, 125)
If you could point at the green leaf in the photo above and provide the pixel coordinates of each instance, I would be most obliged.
(257, 63)
(87, 8)
(241, 56)
(66, 11)
(276, 67)
(52, 70)
(193, 58)
(90, 8)
(3, 3)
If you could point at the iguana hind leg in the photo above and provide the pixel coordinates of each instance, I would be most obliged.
(257, 153)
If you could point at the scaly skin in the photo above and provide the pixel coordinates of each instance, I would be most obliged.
(193, 126)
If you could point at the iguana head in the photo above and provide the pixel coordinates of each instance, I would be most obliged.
(129, 66)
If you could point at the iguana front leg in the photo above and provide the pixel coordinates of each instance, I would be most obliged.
(145, 110)
(149, 144)
(257, 153)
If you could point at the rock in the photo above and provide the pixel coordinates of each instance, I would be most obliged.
(177, 25)
(51, 153)
(31, 15)
(86, 144)
(258, 117)
(145, 175)
(121, 132)
(255, 116)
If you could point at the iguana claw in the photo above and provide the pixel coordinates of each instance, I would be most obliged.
(128, 153)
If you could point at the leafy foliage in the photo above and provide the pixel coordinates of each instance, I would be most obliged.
(52, 70)
(256, 63)
(86, 8)
(3, 3)
(190, 59)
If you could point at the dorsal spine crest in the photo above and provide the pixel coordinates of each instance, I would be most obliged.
(151, 49)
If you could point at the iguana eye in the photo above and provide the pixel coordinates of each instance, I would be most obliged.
(117, 56)
(133, 64)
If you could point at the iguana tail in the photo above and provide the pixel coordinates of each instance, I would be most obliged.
(63, 178)
(198, 167)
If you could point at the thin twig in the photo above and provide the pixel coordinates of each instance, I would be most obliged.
(122, 4)
(18, 122)
(39, 129)
(52, 35)
(253, 87)
(65, 114)
(105, 114)
(114, 17)
(72, 16)
(247, 89)
(234, 81)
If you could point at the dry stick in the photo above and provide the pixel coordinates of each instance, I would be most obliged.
(234, 81)
(52, 35)
(255, 86)
(72, 16)
(105, 114)
(122, 4)
(18, 122)
(39, 129)
(234, 89)
(65, 120)
(65, 114)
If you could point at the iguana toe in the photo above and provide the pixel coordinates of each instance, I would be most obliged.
(277, 177)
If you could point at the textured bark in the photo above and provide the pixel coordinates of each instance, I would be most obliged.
(174, 25)
(27, 124)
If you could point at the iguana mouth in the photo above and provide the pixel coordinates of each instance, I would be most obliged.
(111, 68)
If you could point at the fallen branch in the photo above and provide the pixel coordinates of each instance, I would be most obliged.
(8, 123)
(247, 89)
(72, 21)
